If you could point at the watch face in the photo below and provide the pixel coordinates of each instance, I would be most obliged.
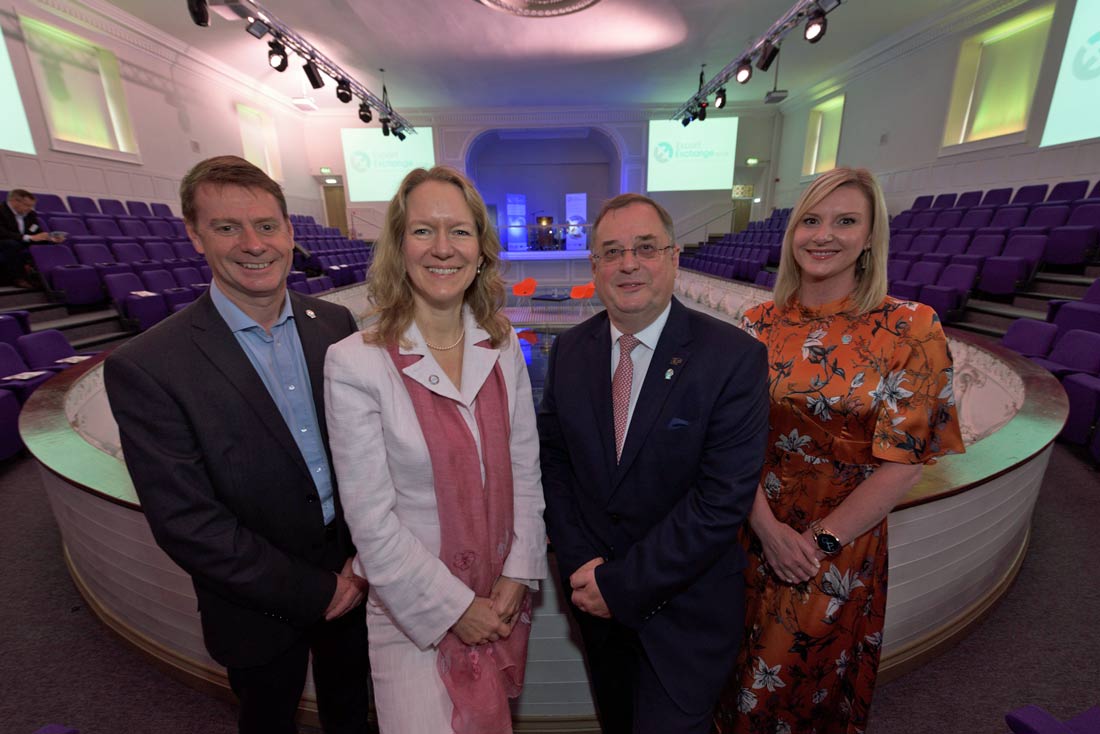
(828, 543)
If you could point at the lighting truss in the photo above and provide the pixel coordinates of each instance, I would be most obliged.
(293, 41)
(795, 17)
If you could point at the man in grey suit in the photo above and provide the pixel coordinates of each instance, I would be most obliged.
(221, 414)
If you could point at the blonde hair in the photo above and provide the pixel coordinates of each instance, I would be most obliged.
(870, 280)
(388, 283)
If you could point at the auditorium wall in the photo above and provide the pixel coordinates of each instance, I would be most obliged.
(182, 107)
(896, 98)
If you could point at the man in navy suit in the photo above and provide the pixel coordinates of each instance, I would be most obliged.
(650, 462)
(19, 228)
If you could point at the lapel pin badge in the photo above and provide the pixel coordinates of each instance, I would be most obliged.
(434, 379)
(310, 313)
(669, 373)
(676, 361)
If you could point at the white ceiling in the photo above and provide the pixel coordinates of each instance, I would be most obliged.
(459, 54)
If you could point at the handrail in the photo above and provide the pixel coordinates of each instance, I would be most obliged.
(729, 213)
(355, 215)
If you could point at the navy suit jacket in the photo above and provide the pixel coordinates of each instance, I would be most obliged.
(222, 483)
(666, 517)
(9, 226)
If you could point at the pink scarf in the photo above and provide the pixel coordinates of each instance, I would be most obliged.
(475, 523)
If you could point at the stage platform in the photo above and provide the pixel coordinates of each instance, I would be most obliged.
(956, 541)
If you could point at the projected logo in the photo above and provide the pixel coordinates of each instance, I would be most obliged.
(662, 152)
(1086, 64)
(360, 161)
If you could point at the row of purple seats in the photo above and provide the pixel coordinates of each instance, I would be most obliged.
(146, 298)
(946, 289)
(105, 228)
(746, 261)
(52, 203)
(1065, 192)
(765, 279)
(1092, 296)
(14, 374)
(318, 284)
(1004, 267)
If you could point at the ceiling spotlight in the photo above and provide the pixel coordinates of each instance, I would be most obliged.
(768, 52)
(701, 113)
(365, 114)
(686, 120)
(313, 74)
(720, 99)
(343, 91)
(743, 72)
(257, 28)
(200, 13)
(400, 135)
(385, 125)
(276, 57)
(815, 26)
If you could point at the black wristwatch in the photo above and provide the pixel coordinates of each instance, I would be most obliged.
(829, 544)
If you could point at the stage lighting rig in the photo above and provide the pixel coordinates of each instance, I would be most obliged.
(720, 98)
(365, 115)
(762, 51)
(317, 65)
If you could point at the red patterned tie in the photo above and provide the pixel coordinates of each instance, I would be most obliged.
(620, 389)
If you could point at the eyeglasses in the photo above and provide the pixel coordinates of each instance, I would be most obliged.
(647, 251)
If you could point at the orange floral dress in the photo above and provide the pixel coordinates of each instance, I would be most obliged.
(847, 393)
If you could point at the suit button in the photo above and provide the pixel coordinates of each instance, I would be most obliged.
(311, 498)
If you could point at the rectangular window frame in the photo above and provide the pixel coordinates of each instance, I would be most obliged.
(823, 130)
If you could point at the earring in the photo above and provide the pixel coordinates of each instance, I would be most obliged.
(478, 270)
(864, 258)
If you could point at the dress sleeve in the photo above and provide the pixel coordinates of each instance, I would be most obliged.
(916, 418)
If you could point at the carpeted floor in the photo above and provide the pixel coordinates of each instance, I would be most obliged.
(1040, 645)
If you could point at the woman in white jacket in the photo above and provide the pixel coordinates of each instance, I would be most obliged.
(432, 430)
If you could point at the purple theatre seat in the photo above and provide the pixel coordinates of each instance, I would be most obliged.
(996, 197)
(139, 209)
(50, 203)
(1092, 295)
(922, 244)
(134, 255)
(189, 277)
(897, 270)
(944, 201)
(1030, 338)
(983, 246)
(950, 246)
(1075, 243)
(922, 202)
(1067, 192)
(67, 279)
(901, 221)
(1015, 266)
(1084, 316)
(1006, 218)
(128, 294)
(100, 258)
(113, 207)
(949, 293)
(1043, 219)
(945, 220)
(162, 229)
(972, 220)
(163, 253)
(10, 442)
(920, 220)
(23, 317)
(969, 199)
(12, 364)
(1032, 194)
(920, 275)
(162, 282)
(184, 250)
(135, 229)
(10, 329)
(48, 350)
(1083, 392)
(108, 230)
(75, 227)
(162, 211)
(1035, 720)
(181, 230)
(82, 205)
(899, 243)
(301, 287)
(1076, 350)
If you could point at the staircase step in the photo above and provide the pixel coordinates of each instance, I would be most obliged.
(1067, 278)
(86, 325)
(102, 341)
(986, 329)
(1003, 309)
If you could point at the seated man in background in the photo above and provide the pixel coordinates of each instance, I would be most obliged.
(19, 227)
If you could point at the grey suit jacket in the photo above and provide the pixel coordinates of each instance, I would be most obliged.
(221, 481)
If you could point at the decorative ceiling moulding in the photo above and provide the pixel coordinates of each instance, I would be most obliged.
(111, 21)
(538, 8)
(902, 44)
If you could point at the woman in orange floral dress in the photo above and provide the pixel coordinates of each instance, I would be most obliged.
(861, 397)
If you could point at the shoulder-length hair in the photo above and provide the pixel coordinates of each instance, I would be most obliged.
(871, 279)
(388, 283)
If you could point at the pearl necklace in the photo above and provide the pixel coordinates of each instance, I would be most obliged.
(446, 349)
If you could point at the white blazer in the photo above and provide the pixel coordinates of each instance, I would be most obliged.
(384, 473)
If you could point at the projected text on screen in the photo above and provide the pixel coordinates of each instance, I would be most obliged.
(698, 157)
(1073, 108)
(375, 164)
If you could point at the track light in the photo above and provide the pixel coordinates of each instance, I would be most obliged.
(701, 113)
(365, 115)
(257, 28)
(720, 99)
(200, 13)
(815, 26)
(744, 72)
(276, 57)
(313, 74)
(686, 120)
(768, 52)
(343, 91)
(385, 126)
(400, 135)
